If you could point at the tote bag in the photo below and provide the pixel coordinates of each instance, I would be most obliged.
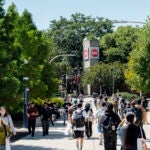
(141, 143)
(7, 144)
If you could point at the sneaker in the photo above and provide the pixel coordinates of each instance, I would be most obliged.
(100, 143)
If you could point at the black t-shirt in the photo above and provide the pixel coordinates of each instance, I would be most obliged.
(66, 106)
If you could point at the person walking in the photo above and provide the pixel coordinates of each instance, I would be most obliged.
(88, 120)
(7, 119)
(52, 109)
(109, 123)
(5, 132)
(144, 109)
(45, 118)
(66, 105)
(138, 114)
(129, 133)
(98, 115)
(78, 119)
(32, 113)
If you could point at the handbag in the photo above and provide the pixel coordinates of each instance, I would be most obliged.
(7, 144)
(141, 142)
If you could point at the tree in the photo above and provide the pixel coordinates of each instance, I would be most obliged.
(68, 35)
(116, 46)
(9, 83)
(102, 73)
(137, 73)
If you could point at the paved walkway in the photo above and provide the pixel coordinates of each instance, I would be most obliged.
(56, 140)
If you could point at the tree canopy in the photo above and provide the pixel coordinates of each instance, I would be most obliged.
(68, 35)
(137, 73)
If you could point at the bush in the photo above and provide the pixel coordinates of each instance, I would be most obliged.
(127, 95)
(57, 101)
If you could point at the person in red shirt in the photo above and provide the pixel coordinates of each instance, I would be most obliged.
(32, 113)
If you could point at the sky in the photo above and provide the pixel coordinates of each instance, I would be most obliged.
(44, 11)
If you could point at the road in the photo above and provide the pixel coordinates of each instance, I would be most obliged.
(56, 140)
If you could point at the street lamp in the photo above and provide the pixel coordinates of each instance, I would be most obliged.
(25, 99)
(113, 80)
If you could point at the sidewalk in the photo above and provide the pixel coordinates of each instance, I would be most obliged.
(56, 140)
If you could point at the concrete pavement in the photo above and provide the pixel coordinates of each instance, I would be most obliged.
(57, 140)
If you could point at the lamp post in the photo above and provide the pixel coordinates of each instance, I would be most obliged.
(113, 80)
(25, 99)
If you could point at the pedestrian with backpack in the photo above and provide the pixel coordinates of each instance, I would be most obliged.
(78, 119)
(109, 123)
(88, 120)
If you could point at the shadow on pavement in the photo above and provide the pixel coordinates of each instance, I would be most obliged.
(23, 147)
(51, 135)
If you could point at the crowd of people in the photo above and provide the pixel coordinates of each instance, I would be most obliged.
(114, 117)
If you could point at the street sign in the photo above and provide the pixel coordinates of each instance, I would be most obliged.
(86, 54)
(94, 53)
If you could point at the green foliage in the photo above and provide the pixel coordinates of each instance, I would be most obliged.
(20, 40)
(137, 73)
(38, 101)
(102, 73)
(57, 101)
(68, 35)
(117, 45)
(127, 95)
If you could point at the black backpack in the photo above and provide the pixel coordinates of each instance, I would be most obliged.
(108, 125)
(79, 119)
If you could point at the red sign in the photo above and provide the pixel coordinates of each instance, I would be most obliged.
(86, 54)
(94, 52)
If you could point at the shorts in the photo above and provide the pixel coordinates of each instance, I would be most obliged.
(78, 134)
(99, 129)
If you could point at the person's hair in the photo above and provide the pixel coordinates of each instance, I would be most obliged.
(79, 105)
(6, 112)
(103, 104)
(139, 101)
(32, 102)
(106, 99)
(87, 107)
(128, 104)
(110, 106)
(130, 130)
(45, 103)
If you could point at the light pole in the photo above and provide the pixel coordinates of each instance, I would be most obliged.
(125, 21)
(63, 55)
(25, 99)
(113, 80)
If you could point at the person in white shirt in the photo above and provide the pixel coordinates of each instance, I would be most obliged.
(78, 120)
(98, 114)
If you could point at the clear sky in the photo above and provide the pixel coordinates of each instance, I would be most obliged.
(44, 11)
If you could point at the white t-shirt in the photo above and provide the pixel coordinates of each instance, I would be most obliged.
(74, 117)
(100, 112)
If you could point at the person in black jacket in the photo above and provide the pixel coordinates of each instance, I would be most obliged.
(109, 123)
(132, 132)
(45, 118)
